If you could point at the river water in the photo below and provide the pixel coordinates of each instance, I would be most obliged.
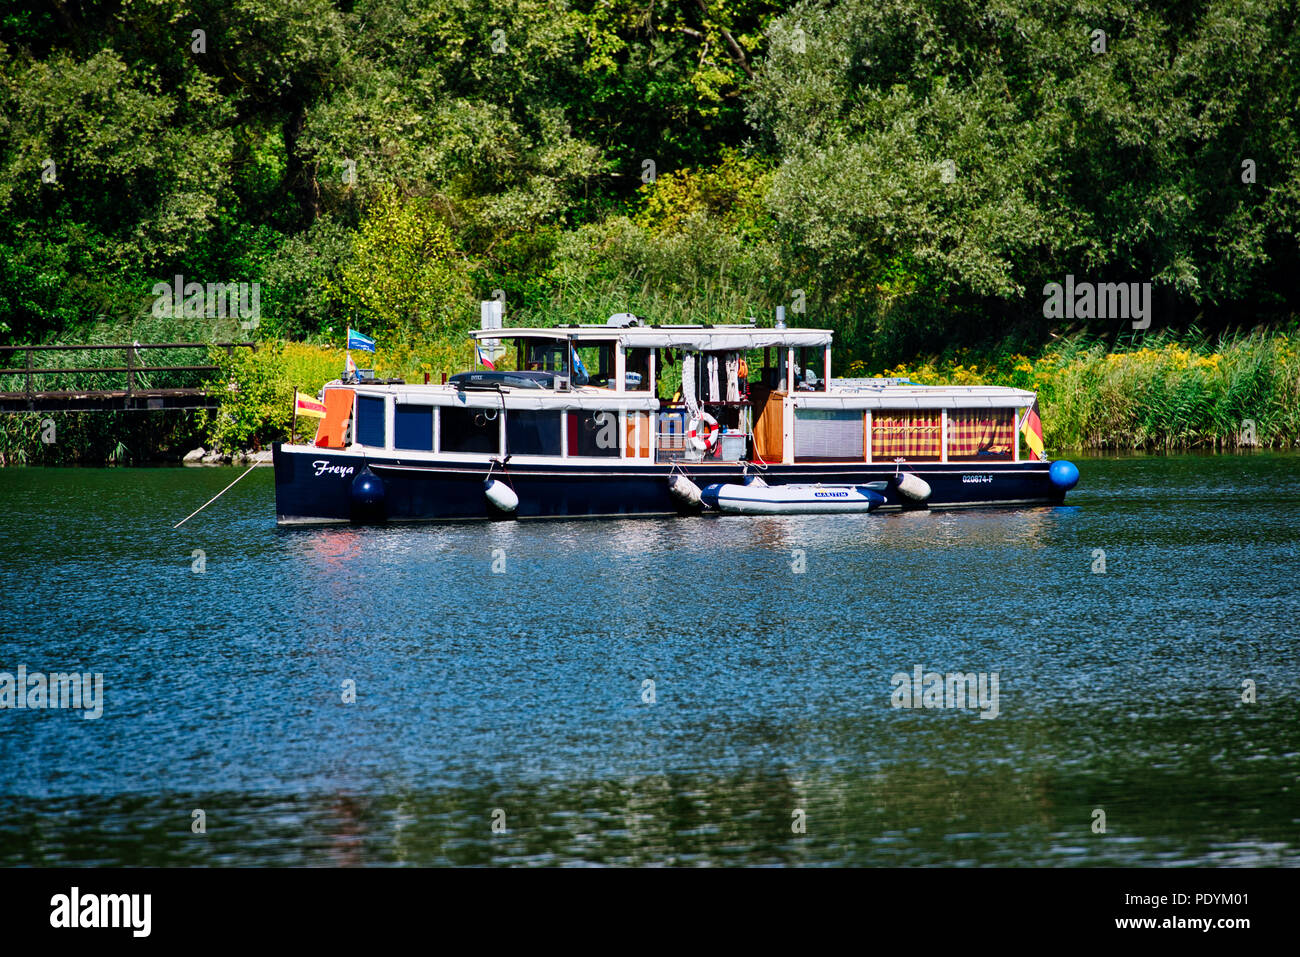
(650, 691)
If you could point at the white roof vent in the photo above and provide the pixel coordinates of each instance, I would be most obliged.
(623, 319)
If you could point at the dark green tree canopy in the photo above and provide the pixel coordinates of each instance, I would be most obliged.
(916, 173)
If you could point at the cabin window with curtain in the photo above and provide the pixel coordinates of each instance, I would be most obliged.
(916, 435)
(470, 430)
(413, 428)
(370, 426)
(639, 427)
(981, 434)
(828, 434)
(530, 432)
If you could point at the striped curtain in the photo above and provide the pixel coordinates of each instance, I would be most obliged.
(906, 434)
(972, 431)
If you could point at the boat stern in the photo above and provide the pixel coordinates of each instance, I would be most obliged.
(313, 486)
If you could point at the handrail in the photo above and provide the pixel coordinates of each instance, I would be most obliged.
(132, 368)
(134, 345)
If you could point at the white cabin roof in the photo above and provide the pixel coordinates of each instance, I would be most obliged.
(702, 338)
(892, 394)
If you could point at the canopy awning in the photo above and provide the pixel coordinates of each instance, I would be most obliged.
(699, 338)
(917, 397)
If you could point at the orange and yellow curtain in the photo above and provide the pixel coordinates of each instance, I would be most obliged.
(906, 434)
(972, 431)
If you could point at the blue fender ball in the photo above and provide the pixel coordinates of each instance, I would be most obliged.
(367, 496)
(1064, 475)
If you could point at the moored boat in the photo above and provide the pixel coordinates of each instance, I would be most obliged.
(633, 419)
(756, 497)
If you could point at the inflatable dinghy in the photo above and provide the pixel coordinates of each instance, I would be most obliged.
(756, 497)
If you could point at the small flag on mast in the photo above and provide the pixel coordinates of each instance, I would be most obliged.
(349, 368)
(305, 405)
(1032, 428)
(360, 342)
(483, 359)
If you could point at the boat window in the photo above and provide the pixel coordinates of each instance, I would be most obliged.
(469, 430)
(531, 432)
(370, 421)
(981, 434)
(413, 427)
(828, 434)
(810, 370)
(593, 432)
(596, 361)
(545, 355)
(637, 365)
(915, 435)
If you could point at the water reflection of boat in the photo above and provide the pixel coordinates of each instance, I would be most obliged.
(546, 437)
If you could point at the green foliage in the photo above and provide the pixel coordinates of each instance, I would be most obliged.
(106, 171)
(700, 272)
(93, 438)
(300, 299)
(666, 81)
(732, 194)
(404, 277)
(1122, 165)
(258, 397)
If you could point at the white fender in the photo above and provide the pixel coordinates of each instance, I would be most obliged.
(684, 489)
(501, 495)
(913, 486)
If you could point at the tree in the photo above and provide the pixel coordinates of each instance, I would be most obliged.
(405, 278)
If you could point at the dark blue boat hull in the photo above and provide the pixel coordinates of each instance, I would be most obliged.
(316, 486)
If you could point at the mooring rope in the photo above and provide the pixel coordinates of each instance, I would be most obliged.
(215, 497)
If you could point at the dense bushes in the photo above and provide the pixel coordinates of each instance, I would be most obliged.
(908, 173)
(258, 387)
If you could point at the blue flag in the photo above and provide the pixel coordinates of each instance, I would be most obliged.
(579, 370)
(359, 342)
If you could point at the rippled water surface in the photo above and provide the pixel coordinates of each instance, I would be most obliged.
(519, 696)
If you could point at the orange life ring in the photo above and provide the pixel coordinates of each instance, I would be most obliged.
(703, 443)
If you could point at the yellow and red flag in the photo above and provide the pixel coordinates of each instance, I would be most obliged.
(1032, 428)
(305, 405)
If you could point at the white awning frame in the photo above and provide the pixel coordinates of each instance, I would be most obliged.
(917, 397)
(697, 338)
(530, 399)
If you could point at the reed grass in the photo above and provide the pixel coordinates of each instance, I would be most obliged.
(1164, 393)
